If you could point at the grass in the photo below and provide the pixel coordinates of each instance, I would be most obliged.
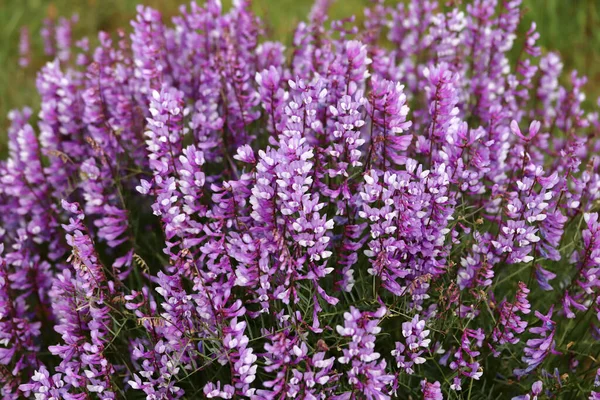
(565, 25)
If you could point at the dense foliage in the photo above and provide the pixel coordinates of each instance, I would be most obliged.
(394, 210)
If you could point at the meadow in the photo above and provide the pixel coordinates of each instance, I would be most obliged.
(272, 200)
(567, 26)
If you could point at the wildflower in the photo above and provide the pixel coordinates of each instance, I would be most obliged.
(465, 358)
(416, 342)
(510, 323)
(284, 191)
(24, 48)
(388, 111)
(367, 375)
(536, 390)
(538, 349)
(431, 391)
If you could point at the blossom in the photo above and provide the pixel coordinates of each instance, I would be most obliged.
(44, 386)
(536, 390)
(538, 349)
(24, 48)
(147, 44)
(465, 358)
(63, 34)
(388, 111)
(432, 391)
(510, 323)
(410, 353)
(367, 374)
(296, 371)
(17, 333)
(243, 357)
(200, 211)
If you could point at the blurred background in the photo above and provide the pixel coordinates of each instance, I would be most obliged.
(571, 27)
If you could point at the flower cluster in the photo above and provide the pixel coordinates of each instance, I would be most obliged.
(410, 353)
(401, 208)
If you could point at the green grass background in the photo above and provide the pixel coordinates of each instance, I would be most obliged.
(571, 27)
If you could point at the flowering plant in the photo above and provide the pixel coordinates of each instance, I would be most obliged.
(404, 208)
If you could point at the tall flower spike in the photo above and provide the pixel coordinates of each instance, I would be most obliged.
(410, 352)
(296, 372)
(367, 375)
(443, 113)
(538, 349)
(84, 258)
(308, 227)
(18, 335)
(47, 34)
(588, 267)
(207, 122)
(345, 149)
(465, 358)
(61, 135)
(348, 72)
(431, 391)
(83, 358)
(24, 48)
(510, 323)
(148, 46)
(273, 97)
(388, 111)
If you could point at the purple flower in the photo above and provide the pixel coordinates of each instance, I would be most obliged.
(63, 32)
(273, 97)
(345, 149)
(296, 372)
(84, 258)
(431, 391)
(388, 111)
(465, 358)
(284, 187)
(538, 349)
(24, 48)
(510, 324)
(212, 391)
(46, 387)
(588, 267)
(442, 97)
(18, 334)
(410, 352)
(148, 46)
(534, 128)
(47, 34)
(241, 356)
(60, 136)
(367, 375)
(407, 213)
(536, 390)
